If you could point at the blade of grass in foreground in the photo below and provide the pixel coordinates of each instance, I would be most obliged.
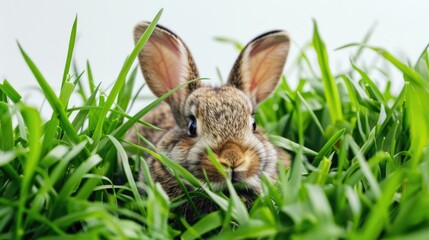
(379, 214)
(252, 229)
(34, 126)
(329, 85)
(6, 127)
(123, 158)
(366, 170)
(73, 181)
(289, 145)
(311, 112)
(325, 150)
(78, 82)
(418, 117)
(10, 92)
(121, 78)
(53, 100)
(69, 52)
(125, 94)
(7, 142)
(61, 167)
(80, 118)
(52, 126)
(208, 223)
(90, 77)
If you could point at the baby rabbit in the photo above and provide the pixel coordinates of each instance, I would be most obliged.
(222, 118)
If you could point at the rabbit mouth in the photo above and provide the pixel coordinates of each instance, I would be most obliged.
(244, 192)
(242, 188)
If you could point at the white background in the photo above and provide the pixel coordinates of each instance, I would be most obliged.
(105, 32)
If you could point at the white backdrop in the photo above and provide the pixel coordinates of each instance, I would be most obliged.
(105, 31)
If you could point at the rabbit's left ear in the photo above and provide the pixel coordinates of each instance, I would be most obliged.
(166, 63)
(259, 66)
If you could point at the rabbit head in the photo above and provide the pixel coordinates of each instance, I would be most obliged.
(219, 118)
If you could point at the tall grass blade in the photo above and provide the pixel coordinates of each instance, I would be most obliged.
(34, 126)
(331, 91)
(120, 81)
(70, 52)
(53, 100)
(6, 127)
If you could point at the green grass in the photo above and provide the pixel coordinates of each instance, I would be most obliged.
(360, 167)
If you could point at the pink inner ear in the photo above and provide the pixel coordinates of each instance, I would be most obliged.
(265, 64)
(164, 61)
(260, 65)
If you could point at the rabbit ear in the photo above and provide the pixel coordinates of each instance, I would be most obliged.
(259, 66)
(166, 63)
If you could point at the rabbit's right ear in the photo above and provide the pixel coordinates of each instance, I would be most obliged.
(167, 63)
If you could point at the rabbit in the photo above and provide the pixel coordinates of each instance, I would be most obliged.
(198, 116)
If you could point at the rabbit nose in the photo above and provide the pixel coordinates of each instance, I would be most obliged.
(232, 155)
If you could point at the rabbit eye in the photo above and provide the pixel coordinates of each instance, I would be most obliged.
(192, 126)
(254, 124)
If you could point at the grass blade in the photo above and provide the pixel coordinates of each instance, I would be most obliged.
(10, 92)
(90, 77)
(80, 118)
(7, 136)
(331, 91)
(69, 52)
(53, 100)
(74, 179)
(121, 78)
(324, 151)
(123, 158)
(208, 223)
(34, 126)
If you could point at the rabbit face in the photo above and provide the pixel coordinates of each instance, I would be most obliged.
(223, 118)
(222, 114)
(219, 118)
